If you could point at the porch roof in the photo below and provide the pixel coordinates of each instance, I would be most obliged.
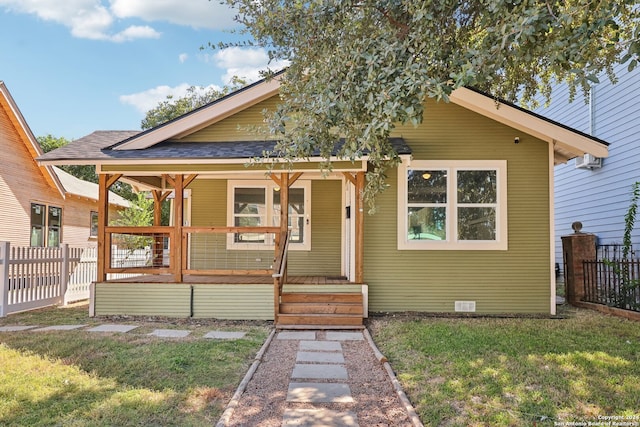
(98, 147)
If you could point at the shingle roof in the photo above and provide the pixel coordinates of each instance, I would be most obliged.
(89, 190)
(96, 147)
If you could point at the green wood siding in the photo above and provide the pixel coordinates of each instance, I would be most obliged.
(238, 126)
(513, 281)
(237, 302)
(142, 299)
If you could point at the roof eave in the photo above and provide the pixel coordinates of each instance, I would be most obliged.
(566, 142)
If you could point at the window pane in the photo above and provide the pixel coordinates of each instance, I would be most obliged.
(427, 223)
(37, 214)
(427, 186)
(94, 224)
(53, 238)
(37, 224)
(477, 186)
(476, 224)
(250, 221)
(249, 201)
(55, 216)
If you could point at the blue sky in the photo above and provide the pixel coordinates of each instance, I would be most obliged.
(75, 66)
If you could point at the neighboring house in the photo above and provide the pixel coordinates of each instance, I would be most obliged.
(466, 224)
(41, 205)
(597, 192)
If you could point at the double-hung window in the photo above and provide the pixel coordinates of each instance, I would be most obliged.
(46, 225)
(257, 204)
(452, 205)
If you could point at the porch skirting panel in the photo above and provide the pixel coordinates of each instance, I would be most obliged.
(142, 299)
(232, 302)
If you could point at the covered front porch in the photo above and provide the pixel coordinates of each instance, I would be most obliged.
(232, 270)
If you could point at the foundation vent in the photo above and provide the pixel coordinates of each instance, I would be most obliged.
(465, 306)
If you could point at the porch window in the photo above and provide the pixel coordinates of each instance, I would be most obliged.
(46, 225)
(452, 205)
(257, 204)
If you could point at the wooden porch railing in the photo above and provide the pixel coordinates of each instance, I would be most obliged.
(280, 272)
(204, 250)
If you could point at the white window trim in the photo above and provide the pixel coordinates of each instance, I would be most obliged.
(501, 242)
(269, 186)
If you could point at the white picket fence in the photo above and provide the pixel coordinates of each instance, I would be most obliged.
(33, 277)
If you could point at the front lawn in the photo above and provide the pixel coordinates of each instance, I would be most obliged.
(78, 378)
(514, 372)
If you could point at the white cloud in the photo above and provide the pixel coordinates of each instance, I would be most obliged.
(245, 63)
(148, 99)
(193, 13)
(136, 32)
(183, 58)
(95, 19)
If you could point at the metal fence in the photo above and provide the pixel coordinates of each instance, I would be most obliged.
(613, 282)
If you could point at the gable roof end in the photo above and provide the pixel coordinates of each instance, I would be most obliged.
(204, 116)
(28, 138)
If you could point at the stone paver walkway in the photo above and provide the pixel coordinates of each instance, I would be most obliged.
(319, 360)
(122, 328)
(317, 379)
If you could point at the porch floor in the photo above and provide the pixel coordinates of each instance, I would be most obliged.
(234, 279)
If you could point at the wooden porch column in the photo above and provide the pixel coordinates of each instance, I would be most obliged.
(176, 242)
(105, 182)
(284, 202)
(359, 246)
(158, 197)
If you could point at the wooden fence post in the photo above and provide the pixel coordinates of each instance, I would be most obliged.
(4, 277)
(64, 273)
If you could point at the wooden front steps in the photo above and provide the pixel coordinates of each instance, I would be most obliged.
(320, 311)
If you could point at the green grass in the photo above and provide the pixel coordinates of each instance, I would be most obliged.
(513, 372)
(77, 378)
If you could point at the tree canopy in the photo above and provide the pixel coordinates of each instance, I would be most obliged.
(195, 97)
(360, 67)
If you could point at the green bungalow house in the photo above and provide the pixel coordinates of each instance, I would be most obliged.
(465, 226)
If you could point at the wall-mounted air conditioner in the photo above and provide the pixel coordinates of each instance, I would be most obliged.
(588, 161)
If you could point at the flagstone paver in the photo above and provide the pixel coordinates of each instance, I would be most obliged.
(320, 346)
(16, 328)
(318, 418)
(225, 335)
(320, 371)
(319, 357)
(113, 328)
(289, 335)
(170, 333)
(59, 328)
(319, 393)
(344, 336)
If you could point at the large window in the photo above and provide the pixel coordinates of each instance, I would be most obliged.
(46, 225)
(452, 205)
(257, 204)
